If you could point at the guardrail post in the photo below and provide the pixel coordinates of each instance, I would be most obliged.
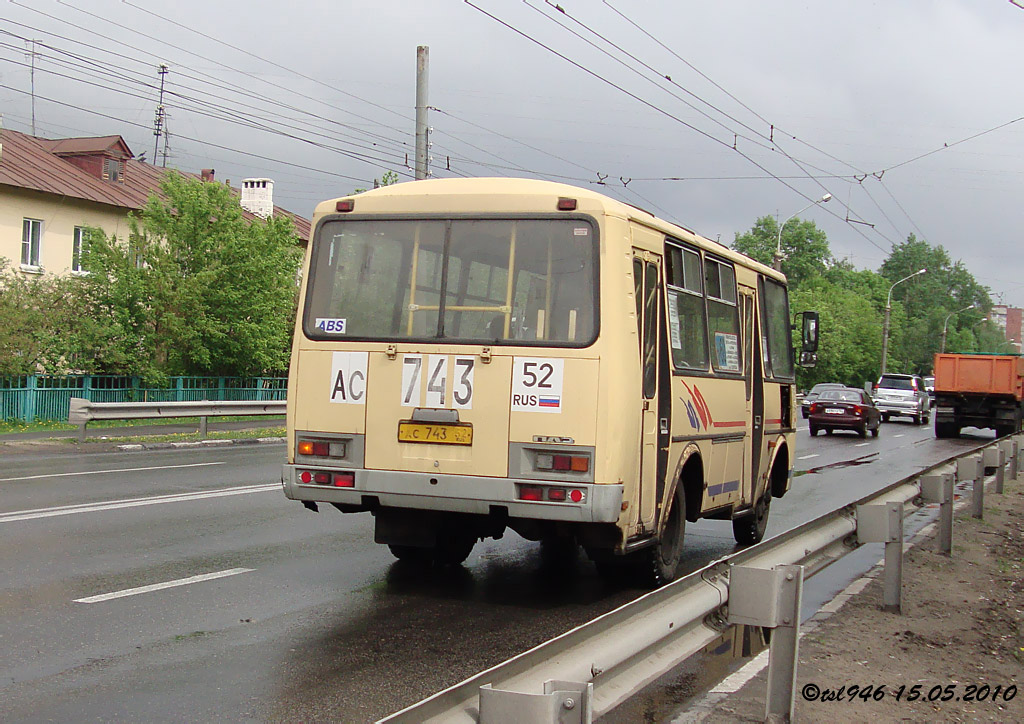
(772, 598)
(563, 702)
(1007, 449)
(969, 468)
(1015, 460)
(938, 488)
(202, 426)
(884, 524)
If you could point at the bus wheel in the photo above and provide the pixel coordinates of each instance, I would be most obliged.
(452, 549)
(749, 529)
(661, 560)
(411, 554)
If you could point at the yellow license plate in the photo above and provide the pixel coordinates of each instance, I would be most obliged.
(435, 433)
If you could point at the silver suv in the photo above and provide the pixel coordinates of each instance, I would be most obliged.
(902, 395)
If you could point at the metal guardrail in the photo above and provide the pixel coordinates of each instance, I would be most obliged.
(82, 412)
(588, 671)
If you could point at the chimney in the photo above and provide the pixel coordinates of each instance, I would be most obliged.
(207, 174)
(258, 196)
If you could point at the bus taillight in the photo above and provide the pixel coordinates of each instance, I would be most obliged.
(563, 463)
(530, 492)
(322, 448)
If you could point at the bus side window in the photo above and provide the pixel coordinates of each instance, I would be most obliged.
(687, 323)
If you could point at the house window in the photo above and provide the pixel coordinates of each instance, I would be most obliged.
(112, 170)
(76, 249)
(31, 233)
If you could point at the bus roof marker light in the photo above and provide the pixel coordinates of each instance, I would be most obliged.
(345, 205)
(566, 204)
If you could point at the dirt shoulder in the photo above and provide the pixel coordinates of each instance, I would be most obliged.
(962, 627)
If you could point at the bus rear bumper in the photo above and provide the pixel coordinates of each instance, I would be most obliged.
(458, 494)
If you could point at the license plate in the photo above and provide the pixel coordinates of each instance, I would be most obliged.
(834, 411)
(435, 433)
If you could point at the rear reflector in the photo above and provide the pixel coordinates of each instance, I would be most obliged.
(344, 480)
(306, 477)
(576, 496)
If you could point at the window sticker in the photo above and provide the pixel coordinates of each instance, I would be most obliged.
(537, 385)
(584, 231)
(673, 322)
(330, 325)
(727, 352)
(348, 377)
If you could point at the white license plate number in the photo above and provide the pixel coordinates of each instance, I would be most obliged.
(834, 411)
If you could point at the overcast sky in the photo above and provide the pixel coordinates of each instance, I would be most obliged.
(320, 96)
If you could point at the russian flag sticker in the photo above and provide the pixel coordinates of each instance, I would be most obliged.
(549, 402)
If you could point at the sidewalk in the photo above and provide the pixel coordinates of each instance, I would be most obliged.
(99, 438)
(960, 637)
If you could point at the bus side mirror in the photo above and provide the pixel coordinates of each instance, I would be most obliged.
(808, 339)
(809, 324)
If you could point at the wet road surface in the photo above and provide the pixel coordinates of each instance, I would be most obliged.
(309, 619)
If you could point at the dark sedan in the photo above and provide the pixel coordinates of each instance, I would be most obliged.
(810, 397)
(845, 409)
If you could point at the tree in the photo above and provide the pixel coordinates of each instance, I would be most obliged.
(37, 323)
(195, 289)
(804, 245)
(928, 300)
(389, 178)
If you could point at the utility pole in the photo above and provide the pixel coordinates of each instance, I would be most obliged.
(422, 159)
(32, 82)
(158, 122)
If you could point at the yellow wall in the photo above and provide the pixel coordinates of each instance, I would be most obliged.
(60, 215)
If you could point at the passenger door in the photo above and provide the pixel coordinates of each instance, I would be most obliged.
(654, 425)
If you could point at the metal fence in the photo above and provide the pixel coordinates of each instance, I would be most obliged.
(47, 397)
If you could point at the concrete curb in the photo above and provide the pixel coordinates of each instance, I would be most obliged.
(134, 447)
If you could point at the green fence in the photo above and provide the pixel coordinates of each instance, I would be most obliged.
(48, 397)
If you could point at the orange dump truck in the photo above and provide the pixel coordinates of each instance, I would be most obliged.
(978, 390)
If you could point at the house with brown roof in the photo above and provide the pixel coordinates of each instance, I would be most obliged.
(51, 190)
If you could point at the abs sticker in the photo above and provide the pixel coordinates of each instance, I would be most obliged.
(537, 384)
(348, 377)
(331, 326)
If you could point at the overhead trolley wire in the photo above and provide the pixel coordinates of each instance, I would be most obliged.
(660, 110)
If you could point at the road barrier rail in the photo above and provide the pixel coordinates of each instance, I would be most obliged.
(588, 671)
(82, 411)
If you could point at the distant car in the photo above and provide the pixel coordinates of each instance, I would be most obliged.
(902, 395)
(929, 387)
(811, 396)
(845, 409)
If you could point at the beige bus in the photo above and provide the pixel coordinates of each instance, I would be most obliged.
(474, 355)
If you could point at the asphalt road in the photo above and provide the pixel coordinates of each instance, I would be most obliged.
(307, 619)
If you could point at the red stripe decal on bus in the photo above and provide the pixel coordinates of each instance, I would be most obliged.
(738, 423)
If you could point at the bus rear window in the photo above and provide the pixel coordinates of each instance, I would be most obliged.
(527, 281)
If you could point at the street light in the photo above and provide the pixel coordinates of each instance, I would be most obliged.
(942, 347)
(778, 247)
(888, 309)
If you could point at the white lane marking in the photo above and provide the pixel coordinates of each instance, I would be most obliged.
(102, 472)
(133, 503)
(900, 435)
(161, 586)
(862, 444)
(807, 457)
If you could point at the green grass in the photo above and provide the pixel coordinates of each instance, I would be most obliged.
(189, 436)
(13, 426)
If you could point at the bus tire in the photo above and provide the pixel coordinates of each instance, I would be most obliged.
(411, 554)
(661, 560)
(749, 529)
(452, 549)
